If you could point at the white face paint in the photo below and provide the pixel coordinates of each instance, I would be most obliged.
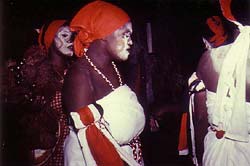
(120, 41)
(63, 41)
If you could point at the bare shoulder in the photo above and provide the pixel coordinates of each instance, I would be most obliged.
(204, 65)
(78, 89)
(77, 73)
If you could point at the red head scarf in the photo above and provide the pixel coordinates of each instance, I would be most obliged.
(47, 35)
(226, 9)
(96, 20)
(216, 26)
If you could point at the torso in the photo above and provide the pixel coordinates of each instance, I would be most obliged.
(210, 65)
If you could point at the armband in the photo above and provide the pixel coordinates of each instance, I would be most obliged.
(195, 85)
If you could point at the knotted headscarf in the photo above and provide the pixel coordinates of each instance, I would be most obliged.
(216, 26)
(48, 33)
(96, 20)
(232, 81)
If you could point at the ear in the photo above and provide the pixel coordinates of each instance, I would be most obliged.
(207, 44)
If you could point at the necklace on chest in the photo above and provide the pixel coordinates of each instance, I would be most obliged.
(103, 76)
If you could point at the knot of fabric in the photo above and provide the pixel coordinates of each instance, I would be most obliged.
(82, 42)
(102, 150)
(86, 116)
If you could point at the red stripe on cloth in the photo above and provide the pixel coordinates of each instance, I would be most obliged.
(102, 150)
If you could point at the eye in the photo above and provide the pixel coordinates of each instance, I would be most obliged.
(65, 35)
(126, 35)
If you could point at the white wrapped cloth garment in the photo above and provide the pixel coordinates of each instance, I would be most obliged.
(123, 119)
(224, 151)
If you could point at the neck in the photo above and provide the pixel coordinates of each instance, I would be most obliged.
(102, 75)
(57, 61)
(99, 55)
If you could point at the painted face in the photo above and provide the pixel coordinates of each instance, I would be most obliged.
(119, 42)
(63, 41)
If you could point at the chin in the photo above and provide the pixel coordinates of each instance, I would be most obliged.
(124, 57)
(68, 54)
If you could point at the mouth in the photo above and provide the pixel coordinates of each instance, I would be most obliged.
(129, 50)
(70, 47)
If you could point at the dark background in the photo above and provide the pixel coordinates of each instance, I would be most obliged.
(178, 19)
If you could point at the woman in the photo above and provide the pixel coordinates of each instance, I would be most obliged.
(37, 94)
(105, 113)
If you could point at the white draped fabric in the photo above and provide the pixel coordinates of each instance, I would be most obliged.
(123, 120)
(232, 82)
(225, 151)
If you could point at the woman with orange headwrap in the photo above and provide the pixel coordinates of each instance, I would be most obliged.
(39, 81)
(106, 117)
(224, 106)
(56, 40)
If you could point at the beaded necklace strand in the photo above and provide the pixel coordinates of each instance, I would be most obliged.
(103, 76)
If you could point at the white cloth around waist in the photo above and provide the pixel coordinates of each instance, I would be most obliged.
(213, 115)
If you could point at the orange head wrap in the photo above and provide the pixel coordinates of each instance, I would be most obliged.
(216, 26)
(226, 9)
(47, 34)
(96, 20)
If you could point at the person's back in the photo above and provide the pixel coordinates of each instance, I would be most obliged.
(225, 72)
(209, 66)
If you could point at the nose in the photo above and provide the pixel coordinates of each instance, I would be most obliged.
(130, 42)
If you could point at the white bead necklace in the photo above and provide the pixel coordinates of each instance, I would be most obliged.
(103, 76)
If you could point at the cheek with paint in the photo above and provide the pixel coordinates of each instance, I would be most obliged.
(121, 50)
(58, 43)
(120, 46)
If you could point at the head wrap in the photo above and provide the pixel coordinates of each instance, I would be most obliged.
(48, 33)
(226, 9)
(215, 25)
(96, 20)
(232, 82)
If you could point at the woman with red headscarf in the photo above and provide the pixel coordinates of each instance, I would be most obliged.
(105, 115)
(55, 39)
(37, 94)
(225, 104)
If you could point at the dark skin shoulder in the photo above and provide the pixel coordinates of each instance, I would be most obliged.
(77, 89)
(83, 85)
(206, 72)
